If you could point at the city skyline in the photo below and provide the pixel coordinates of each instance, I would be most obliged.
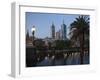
(43, 21)
(57, 39)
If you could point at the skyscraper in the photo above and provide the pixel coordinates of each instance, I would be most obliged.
(53, 31)
(63, 30)
(58, 35)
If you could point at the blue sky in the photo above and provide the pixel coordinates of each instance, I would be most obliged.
(43, 22)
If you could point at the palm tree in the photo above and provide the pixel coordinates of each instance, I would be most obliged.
(79, 28)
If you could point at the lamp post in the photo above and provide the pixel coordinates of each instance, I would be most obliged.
(33, 32)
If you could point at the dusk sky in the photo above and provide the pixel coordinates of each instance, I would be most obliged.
(43, 22)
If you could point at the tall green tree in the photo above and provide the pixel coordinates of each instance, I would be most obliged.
(79, 28)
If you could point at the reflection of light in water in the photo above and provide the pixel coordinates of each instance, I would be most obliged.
(48, 55)
(65, 55)
(72, 59)
(38, 59)
(46, 58)
(73, 54)
(53, 57)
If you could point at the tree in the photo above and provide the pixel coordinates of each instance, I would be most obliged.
(79, 28)
(62, 44)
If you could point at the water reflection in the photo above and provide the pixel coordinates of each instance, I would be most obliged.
(52, 58)
(72, 59)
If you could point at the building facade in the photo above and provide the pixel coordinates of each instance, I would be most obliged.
(63, 31)
(53, 31)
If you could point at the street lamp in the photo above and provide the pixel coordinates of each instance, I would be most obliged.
(33, 32)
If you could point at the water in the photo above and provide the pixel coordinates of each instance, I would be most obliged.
(73, 59)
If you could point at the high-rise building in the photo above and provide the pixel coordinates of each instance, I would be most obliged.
(58, 35)
(53, 31)
(63, 31)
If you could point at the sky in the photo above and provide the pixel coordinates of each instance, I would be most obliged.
(43, 22)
